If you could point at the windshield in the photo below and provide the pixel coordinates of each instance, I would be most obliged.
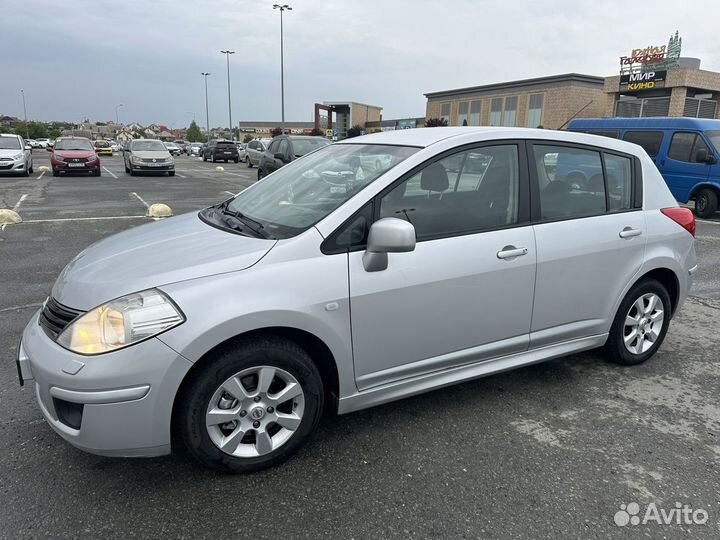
(102, 144)
(300, 194)
(73, 144)
(305, 146)
(714, 137)
(9, 143)
(148, 145)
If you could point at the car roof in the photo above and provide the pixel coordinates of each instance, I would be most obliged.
(71, 137)
(655, 122)
(9, 135)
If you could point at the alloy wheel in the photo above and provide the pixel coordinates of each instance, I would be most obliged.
(255, 411)
(643, 323)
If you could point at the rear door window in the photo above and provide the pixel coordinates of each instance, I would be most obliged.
(649, 140)
(685, 146)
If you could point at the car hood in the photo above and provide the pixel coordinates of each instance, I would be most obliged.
(9, 153)
(148, 154)
(74, 153)
(152, 255)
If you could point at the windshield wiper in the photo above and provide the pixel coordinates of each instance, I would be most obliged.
(254, 225)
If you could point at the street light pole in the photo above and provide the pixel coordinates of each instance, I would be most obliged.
(117, 117)
(207, 110)
(27, 128)
(227, 57)
(282, 63)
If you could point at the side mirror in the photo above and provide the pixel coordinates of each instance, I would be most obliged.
(702, 156)
(280, 156)
(387, 235)
(28, 147)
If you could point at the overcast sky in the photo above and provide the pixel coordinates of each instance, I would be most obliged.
(81, 58)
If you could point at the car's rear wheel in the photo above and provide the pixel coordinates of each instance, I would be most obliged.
(640, 324)
(252, 406)
(706, 203)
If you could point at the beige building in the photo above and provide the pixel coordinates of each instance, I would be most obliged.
(544, 101)
(352, 113)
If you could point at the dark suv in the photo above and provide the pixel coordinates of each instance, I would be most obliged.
(216, 150)
(285, 148)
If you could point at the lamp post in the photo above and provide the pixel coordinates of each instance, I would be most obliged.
(207, 110)
(117, 116)
(27, 128)
(282, 63)
(227, 57)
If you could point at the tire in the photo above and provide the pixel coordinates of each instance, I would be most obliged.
(237, 160)
(248, 163)
(267, 355)
(706, 203)
(96, 173)
(132, 172)
(56, 173)
(639, 295)
(204, 157)
(32, 169)
(171, 173)
(260, 174)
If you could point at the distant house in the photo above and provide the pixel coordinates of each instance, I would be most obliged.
(165, 135)
(9, 121)
(124, 135)
(149, 133)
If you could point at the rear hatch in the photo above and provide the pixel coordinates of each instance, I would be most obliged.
(226, 149)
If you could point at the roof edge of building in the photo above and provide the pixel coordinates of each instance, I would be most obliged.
(565, 77)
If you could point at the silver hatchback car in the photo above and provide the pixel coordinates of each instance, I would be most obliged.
(373, 269)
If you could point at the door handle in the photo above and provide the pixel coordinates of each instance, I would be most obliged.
(510, 252)
(629, 232)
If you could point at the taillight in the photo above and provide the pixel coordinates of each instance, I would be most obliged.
(683, 217)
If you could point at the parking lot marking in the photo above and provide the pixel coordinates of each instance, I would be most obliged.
(82, 219)
(180, 175)
(140, 199)
(229, 193)
(109, 172)
(15, 208)
(708, 221)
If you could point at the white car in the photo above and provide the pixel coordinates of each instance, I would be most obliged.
(114, 146)
(15, 155)
(44, 142)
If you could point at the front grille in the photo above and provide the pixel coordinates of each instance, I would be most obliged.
(55, 317)
(76, 160)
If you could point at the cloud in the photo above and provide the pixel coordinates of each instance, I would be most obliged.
(82, 62)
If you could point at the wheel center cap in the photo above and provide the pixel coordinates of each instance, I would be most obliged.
(257, 413)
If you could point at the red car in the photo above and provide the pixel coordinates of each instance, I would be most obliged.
(74, 154)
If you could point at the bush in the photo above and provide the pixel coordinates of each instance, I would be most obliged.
(436, 122)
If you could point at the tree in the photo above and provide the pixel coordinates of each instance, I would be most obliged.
(247, 138)
(54, 133)
(317, 132)
(355, 131)
(465, 122)
(32, 130)
(435, 122)
(194, 134)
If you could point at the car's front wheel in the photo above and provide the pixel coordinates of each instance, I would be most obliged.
(252, 405)
(640, 324)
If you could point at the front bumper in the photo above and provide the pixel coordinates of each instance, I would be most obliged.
(145, 168)
(62, 166)
(12, 167)
(114, 404)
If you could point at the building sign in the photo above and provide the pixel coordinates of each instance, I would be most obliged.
(654, 58)
(647, 80)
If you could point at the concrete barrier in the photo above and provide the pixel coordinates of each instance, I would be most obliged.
(159, 210)
(9, 217)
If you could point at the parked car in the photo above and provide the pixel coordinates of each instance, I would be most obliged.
(194, 149)
(173, 148)
(43, 142)
(103, 148)
(254, 151)
(74, 155)
(182, 144)
(15, 155)
(32, 143)
(343, 292)
(115, 146)
(285, 148)
(220, 150)
(148, 155)
(686, 151)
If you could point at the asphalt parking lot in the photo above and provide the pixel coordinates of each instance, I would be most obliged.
(551, 450)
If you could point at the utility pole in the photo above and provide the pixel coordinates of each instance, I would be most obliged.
(207, 110)
(27, 128)
(282, 8)
(117, 117)
(227, 57)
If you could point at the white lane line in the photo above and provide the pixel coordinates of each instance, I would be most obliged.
(109, 172)
(100, 218)
(180, 175)
(17, 204)
(15, 208)
(707, 221)
(240, 175)
(229, 193)
(139, 198)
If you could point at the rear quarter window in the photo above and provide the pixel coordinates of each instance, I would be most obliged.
(651, 141)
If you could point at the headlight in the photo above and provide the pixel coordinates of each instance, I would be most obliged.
(58, 158)
(19, 156)
(135, 159)
(92, 158)
(121, 323)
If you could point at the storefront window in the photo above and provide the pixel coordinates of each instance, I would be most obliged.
(535, 111)
(510, 113)
(445, 112)
(475, 107)
(463, 107)
(496, 111)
